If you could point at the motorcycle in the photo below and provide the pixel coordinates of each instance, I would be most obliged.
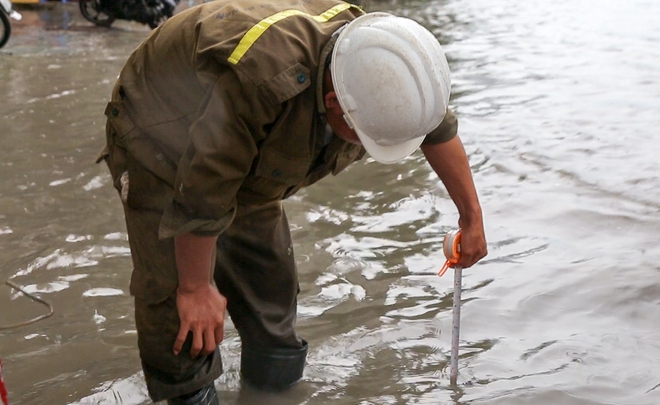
(150, 12)
(7, 12)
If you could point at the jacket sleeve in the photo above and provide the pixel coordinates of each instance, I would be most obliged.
(221, 147)
(447, 130)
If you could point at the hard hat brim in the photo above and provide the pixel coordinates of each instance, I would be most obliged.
(389, 154)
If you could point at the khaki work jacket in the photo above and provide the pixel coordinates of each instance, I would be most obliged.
(223, 103)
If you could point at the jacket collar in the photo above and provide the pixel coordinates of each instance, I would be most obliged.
(323, 65)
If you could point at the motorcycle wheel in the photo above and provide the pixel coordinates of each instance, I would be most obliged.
(156, 22)
(5, 25)
(164, 11)
(93, 12)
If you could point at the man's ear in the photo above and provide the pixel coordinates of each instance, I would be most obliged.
(331, 102)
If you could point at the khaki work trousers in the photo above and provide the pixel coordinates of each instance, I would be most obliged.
(255, 270)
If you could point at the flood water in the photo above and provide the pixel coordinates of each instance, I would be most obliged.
(558, 103)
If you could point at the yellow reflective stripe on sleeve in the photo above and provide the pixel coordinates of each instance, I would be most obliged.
(255, 32)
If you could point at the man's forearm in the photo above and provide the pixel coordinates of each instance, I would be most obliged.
(194, 255)
(450, 162)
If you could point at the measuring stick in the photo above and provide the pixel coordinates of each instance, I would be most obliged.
(456, 324)
(452, 250)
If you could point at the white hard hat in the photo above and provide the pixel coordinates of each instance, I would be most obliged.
(392, 81)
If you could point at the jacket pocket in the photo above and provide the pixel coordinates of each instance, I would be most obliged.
(118, 118)
(151, 173)
(280, 167)
(145, 189)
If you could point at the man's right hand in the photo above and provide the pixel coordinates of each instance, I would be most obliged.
(202, 312)
(201, 307)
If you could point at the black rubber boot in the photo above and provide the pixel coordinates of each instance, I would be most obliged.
(205, 396)
(273, 369)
